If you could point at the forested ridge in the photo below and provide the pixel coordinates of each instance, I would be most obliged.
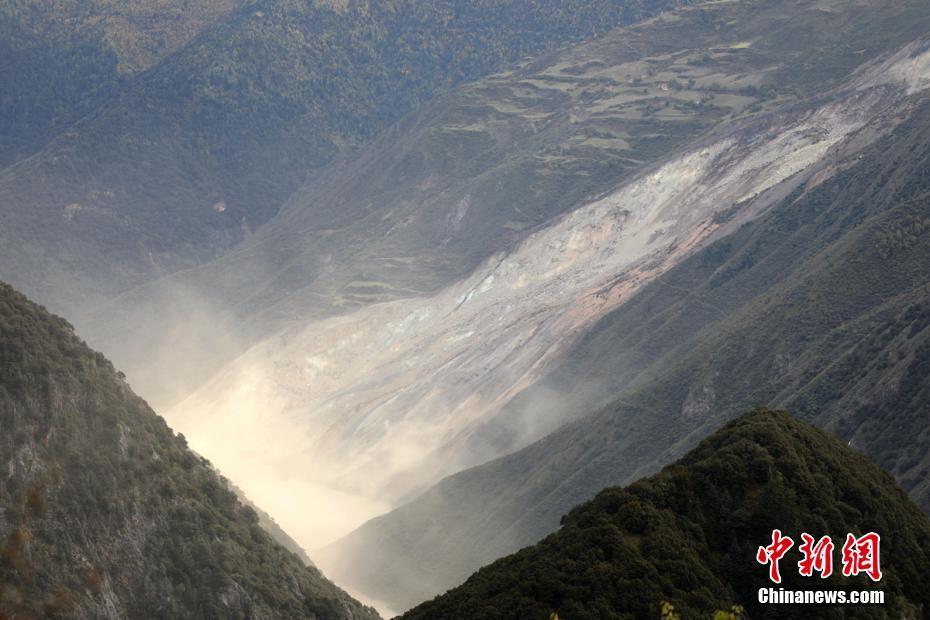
(105, 512)
(688, 536)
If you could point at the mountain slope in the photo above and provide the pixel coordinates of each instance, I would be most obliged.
(474, 172)
(689, 536)
(820, 306)
(376, 404)
(203, 148)
(60, 59)
(105, 513)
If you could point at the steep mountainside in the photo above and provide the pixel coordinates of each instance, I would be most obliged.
(688, 536)
(59, 59)
(394, 390)
(204, 147)
(270, 525)
(821, 306)
(477, 170)
(105, 513)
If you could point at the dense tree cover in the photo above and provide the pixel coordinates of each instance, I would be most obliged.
(59, 59)
(104, 512)
(688, 536)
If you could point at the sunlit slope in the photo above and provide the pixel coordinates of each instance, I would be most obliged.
(822, 306)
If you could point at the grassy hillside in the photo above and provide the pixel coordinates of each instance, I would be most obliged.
(820, 306)
(105, 513)
(688, 536)
(202, 148)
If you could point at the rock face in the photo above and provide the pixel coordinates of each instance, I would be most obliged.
(689, 535)
(105, 513)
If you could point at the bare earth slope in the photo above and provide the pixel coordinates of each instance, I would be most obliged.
(821, 306)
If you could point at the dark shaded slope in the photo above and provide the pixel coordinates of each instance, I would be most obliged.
(204, 147)
(60, 59)
(105, 513)
(46, 85)
(689, 536)
(820, 306)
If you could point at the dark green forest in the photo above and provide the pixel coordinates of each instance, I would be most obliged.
(688, 536)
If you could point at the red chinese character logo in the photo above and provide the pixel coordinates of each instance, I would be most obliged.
(817, 557)
(773, 553)
(860, 555)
